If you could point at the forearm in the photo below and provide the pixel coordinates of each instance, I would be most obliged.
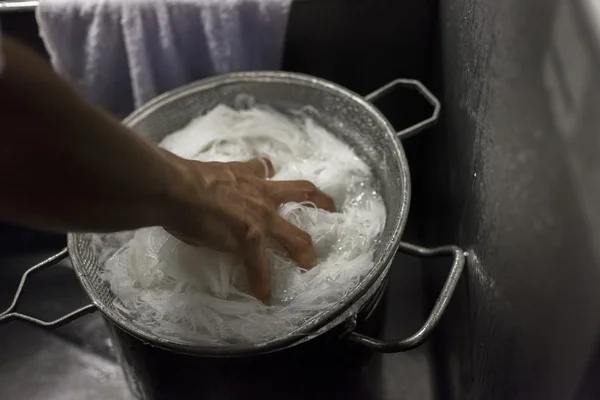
(65, 164)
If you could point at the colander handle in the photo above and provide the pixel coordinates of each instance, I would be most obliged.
(10, 314)
(397, 346)
(418, 86)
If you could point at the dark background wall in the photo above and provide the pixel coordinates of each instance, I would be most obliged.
(506, 187)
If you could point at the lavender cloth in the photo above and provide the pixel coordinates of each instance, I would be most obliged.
(120, 54)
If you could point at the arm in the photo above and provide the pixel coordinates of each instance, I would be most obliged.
(66, 165)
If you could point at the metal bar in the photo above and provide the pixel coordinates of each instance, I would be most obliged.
(10, 314)
(7, 6)
(16, 6)
(38, 267)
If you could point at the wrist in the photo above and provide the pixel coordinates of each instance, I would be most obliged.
(180, 185)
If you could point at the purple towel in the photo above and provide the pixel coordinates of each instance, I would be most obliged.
(120, 54)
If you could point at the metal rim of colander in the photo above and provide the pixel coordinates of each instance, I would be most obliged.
(314, 324)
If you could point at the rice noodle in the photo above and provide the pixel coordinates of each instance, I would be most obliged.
(202, 294)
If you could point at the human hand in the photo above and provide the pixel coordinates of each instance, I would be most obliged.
(233, 207)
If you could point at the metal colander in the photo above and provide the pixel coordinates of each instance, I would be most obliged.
(350, 117)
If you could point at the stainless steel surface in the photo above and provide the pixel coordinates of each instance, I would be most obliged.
(75, 361)
(516, 166)
(55, 369)
(416, 339)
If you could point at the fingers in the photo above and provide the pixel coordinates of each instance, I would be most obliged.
(299, 191)
(257, 267)
(296, 242)
(259, 167)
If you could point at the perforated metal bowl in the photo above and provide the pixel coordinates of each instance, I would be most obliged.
(353, 119)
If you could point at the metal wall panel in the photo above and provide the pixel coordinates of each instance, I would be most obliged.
(516, 181)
